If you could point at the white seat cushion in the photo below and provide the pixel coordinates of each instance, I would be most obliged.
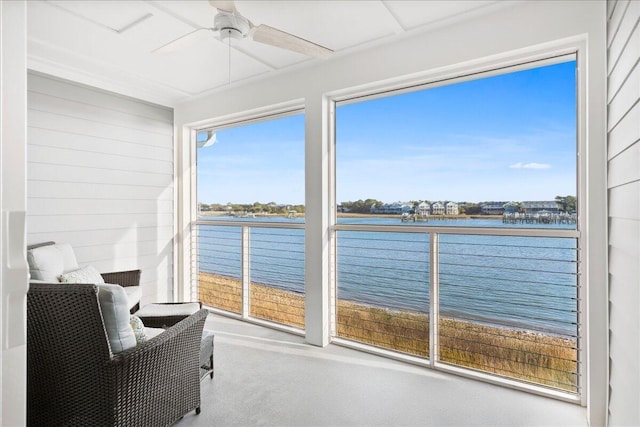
(134, 294)
(152, 332)
(165, 310)
(115, 315)
(48, 262)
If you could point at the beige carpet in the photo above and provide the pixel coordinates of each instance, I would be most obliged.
(265, 377)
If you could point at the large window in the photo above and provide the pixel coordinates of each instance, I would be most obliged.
(457, 227)
(473, 150)
(250, 225)
(254, 168)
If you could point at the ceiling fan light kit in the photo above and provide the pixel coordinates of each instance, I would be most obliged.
(231, 24)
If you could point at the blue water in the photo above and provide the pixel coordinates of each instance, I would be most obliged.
(510, 281)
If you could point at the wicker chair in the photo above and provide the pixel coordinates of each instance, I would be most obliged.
(74, 379)
(127, 279)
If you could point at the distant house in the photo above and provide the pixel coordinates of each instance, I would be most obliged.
(492, 208)
(547, 206)
(437, 208)
(423, 209)
(391, 208)
(451, 208)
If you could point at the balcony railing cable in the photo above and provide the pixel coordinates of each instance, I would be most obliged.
(499, 301)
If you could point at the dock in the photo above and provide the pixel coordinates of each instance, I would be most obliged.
(539, 218)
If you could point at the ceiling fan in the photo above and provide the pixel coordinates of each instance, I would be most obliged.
(231, 24)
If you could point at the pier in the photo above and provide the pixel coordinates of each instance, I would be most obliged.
(539, 218)
(407, 217)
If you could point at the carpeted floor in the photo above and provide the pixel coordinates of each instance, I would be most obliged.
(265, 377)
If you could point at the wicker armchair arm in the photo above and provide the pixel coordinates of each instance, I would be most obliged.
(162, 372)
(186, 330)
(123, 278)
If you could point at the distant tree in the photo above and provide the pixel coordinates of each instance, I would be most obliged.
(472, 209)
(257, 207)
(567, 203)
(361, 206)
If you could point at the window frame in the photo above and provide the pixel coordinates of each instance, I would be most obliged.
(186, 246)
(319, 171)
(487, 67)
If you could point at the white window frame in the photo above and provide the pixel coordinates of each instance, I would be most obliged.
(187, 202)
(589, 236)
(320, 188)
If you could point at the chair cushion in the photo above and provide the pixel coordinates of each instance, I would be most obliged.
(168, 310)
(87, 274)
(115, 315)
(152, 332)
(48, 262)
(134, 295)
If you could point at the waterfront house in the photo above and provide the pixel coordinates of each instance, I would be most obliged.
(437, 208)
(423, 209)
(97, 150)
(492, 208)
(538, 206)
(396, 208)
(451, 208)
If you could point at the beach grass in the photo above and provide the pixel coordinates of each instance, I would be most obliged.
(526, 355)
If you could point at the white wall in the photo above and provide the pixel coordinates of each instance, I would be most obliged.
(623, 37)
(13, 269)
(100, 177)
(519, 29)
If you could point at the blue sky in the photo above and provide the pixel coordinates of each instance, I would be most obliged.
(259, 162)
(507, 137)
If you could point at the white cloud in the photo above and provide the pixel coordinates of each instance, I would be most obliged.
(521, 165)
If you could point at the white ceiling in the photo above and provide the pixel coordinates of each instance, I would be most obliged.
(109, 44)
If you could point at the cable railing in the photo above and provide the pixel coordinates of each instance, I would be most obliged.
(277, 275)
(218, 267)
(253, 269)
(383, 290)
(504, 301)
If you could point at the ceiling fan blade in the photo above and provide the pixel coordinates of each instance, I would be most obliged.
(182, 41)
(224, 5)
(278, 38)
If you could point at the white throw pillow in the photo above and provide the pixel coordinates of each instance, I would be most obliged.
(48, 262)
(86, 274)
(115, 314)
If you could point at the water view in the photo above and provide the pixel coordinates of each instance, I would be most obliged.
(526, 282)
(507, 305)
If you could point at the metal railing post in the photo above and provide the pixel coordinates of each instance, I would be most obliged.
(246, 269)
(434, 297)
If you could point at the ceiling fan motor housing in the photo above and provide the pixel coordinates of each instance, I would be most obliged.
(231, 25)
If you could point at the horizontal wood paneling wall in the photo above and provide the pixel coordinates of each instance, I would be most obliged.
(100, 177)
(623, 38)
